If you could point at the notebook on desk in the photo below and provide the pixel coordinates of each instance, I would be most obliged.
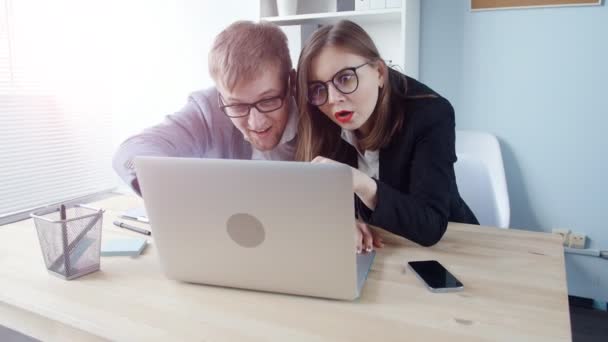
(123, 246)
(264, 225)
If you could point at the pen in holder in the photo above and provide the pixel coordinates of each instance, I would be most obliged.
(70, 239)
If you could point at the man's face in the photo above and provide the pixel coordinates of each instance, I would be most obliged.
(263, 129)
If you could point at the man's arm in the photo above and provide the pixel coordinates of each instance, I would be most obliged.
(183, 134)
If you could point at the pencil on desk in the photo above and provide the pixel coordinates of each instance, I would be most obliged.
(132, 228)
(64, 233)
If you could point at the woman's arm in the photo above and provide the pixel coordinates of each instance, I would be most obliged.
(421, 215)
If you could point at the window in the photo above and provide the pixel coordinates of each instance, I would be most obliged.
(79, 77)
(55, 124)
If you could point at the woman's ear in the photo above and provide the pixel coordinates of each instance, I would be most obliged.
(382, 72)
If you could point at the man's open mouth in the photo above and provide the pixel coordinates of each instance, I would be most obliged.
(262, 131)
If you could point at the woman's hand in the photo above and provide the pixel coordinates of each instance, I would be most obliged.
(363, 185)
(367, 238)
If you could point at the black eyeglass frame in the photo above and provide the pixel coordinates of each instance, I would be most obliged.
(223, 106)
(333, 81)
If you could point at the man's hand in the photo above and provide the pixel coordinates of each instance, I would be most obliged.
(135, 187)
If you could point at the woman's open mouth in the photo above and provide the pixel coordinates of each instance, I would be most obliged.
(343, 116)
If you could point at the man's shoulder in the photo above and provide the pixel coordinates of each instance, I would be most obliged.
(206, 93)
(205, 102)
(205, 98)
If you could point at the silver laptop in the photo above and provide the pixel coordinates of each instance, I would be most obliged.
(273, 226)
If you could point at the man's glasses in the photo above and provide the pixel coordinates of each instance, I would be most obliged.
(239, 110)
(345, 81)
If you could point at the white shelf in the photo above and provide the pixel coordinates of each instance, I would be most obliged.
(368, 16)
(395, 31)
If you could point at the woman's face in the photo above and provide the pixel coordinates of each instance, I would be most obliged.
(351, 95)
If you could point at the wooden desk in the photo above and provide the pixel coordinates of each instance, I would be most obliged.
(515, 290)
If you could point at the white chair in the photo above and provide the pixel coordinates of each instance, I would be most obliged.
(480, 176)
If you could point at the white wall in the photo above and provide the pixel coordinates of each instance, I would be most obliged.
(537, 79)
(159, 55)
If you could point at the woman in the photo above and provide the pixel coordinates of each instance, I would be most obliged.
(397, 135)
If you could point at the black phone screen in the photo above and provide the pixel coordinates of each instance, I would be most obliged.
(434, 274)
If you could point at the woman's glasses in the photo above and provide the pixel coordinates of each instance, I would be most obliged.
(345, 81)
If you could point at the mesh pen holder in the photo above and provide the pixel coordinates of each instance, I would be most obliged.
(71, 246)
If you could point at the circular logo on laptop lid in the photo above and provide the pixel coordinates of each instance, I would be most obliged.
(245, 230)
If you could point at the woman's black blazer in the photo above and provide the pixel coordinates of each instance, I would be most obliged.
(417, 193)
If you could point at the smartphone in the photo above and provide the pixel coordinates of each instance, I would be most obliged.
(435, 276)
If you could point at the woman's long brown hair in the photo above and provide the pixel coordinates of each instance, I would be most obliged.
(317, 134)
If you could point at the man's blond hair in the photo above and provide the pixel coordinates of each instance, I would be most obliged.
(243, 49)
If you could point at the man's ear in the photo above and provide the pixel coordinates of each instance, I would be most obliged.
(292, 82)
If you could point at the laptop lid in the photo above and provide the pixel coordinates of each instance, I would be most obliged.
(264, 225)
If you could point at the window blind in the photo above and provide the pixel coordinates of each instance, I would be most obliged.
(79, 77)
(55, 125)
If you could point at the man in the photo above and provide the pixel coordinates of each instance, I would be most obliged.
(250, 114)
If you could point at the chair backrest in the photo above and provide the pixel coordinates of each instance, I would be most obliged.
(480, 176)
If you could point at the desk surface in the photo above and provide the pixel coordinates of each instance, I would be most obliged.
(515, 290)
